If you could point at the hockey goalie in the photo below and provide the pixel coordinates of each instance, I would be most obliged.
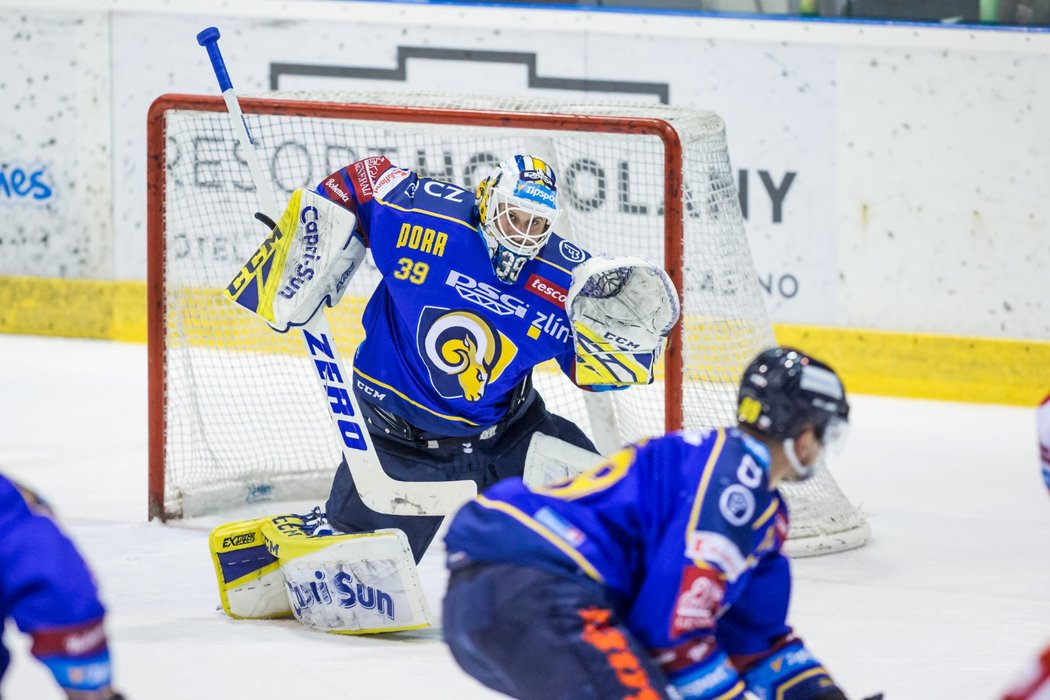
(477, 289)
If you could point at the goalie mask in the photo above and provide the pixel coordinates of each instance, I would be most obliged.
(783, 391)
(517, 206)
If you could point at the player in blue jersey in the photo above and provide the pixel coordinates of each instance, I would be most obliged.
(47, 590)
(658, 574)
(472, 297)
(475, 290)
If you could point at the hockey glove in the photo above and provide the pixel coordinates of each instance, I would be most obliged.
(791, 673)
(621, 310)
(307, 260)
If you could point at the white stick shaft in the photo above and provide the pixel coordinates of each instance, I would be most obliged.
(239, 125)
(377, 490)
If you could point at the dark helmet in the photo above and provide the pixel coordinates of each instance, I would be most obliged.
(783, 389)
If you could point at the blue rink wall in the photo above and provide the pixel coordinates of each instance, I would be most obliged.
(893, 176)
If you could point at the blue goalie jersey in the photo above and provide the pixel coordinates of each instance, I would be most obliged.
(446, 343)
(683, 531)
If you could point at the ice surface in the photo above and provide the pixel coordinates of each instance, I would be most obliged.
(949, 599)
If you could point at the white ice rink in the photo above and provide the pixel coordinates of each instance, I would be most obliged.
(949, 599)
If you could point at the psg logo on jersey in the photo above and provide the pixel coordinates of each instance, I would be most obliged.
(462, 351)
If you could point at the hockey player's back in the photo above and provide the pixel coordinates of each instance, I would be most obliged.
(632, 514)
(658, 573)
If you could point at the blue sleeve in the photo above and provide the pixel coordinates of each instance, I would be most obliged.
(753, 647)
(47, 590)
(755, 634)
(589, 525)
(757, 619)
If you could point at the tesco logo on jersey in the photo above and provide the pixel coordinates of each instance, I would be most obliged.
(546, 289)
(485, 295)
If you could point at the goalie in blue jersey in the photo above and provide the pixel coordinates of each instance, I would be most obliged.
(475, 293)
(476, 289)
(47, 590)
(658, 574)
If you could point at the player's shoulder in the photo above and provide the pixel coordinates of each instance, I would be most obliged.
(9, 494)
(724, 446)
(429, 196)
(739, 446)
(363, 180)
(734, 478)
(744, 460)
(15, 501)
(561, 254)
(376, 180)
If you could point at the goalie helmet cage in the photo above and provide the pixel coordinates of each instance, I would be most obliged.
(235, 412)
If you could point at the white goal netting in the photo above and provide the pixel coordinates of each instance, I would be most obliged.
(236, 406)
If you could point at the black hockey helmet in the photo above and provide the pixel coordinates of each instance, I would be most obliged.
(783, 390)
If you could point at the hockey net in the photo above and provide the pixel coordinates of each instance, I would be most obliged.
(235, 412)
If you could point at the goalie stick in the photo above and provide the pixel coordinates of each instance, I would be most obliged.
(378, 491)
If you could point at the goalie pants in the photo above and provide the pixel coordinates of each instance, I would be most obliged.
(532, 634)
(483, 461)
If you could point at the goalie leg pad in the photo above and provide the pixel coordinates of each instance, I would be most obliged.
(250, 582)
(550, 460)
(348, 584)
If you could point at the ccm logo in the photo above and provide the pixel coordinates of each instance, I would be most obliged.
(546, 289)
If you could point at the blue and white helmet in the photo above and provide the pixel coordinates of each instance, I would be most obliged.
(517, 206)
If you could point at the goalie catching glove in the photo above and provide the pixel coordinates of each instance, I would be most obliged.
(307, 260)
(621, 310)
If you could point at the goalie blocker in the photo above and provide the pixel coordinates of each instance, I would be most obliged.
(621, 310)
(305, 262)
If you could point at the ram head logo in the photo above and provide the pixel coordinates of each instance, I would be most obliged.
(467, 362)
(463, 352)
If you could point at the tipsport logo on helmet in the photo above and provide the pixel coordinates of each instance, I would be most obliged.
(535, 193)
(536, 182)
(462, 351)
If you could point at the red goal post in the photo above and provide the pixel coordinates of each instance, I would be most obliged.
(200, 349)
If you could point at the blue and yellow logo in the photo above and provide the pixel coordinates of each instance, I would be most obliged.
(462, 351)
